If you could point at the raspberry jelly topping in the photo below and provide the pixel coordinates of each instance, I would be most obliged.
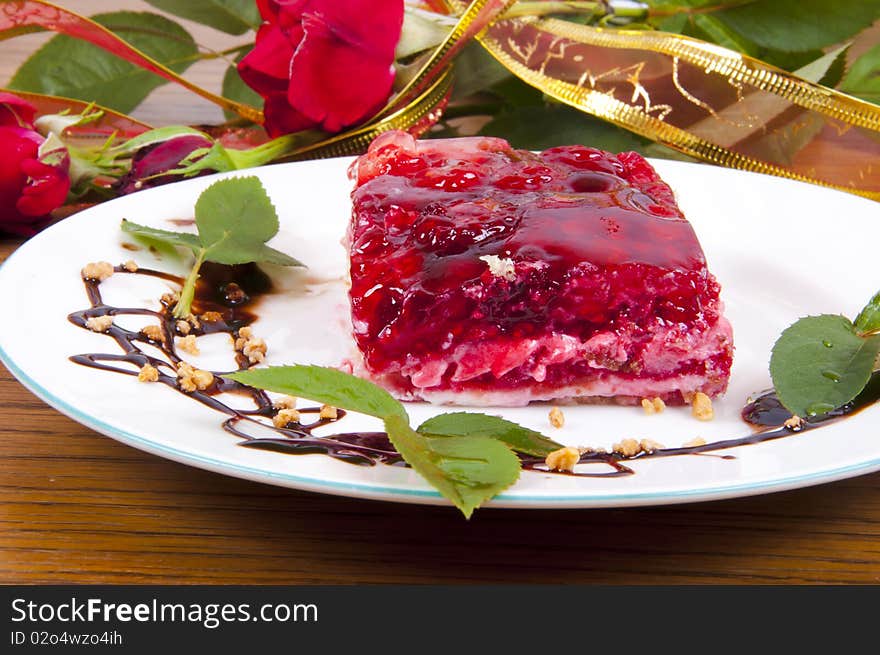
(466, 240)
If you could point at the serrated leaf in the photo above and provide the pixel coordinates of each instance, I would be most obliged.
(789, 61)
(230, 16)
(475, 71)
(670, 5)
(827, 69)
(676, 23)
(235, 218)
(795, 25)
(324, 385)
(167, 237)
(66, 66)
(541, 127)
(820, 363)
(863, 78)
(466, 470)
(515, 93)
(868, 319)
(472, 424)
(269, 255)
(710, 28)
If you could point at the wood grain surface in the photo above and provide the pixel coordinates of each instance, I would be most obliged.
(79, 507)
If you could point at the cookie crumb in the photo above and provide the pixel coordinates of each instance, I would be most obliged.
(795, 423)
(627, 448)
(190, 379)
(170, 298)
(653, 405)
(285, 416)
(564, 459)
(649, 445)
(188, 345)
(212, 317)
(701, 407)
(203, 379)
(253, 348)
(99, 271)
(183, 328)
(148, 374)
(694, 443)
(557, 418)
(285, 402)
(99, 323)
(328, 411)
(153, 333)
(130, 266)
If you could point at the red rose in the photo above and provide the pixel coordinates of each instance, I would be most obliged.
(29, 188)
(16, 111)
(323, 63)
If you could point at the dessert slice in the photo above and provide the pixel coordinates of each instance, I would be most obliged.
(484, 275)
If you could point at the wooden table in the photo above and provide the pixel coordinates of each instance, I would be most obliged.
(78, 507)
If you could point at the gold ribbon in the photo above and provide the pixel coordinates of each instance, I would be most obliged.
(699, 98)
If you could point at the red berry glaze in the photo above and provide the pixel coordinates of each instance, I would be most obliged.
(482, 274)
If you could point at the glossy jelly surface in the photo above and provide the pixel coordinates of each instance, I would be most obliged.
(467, 240)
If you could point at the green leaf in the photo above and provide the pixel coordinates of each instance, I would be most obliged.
(468, 424)
(72, 68)
(235, 218)
(827, 69)
(538, 128)
(269, 255)
(683, 5)
(863, 78)
(234, 88)
(789, 61)
(230, 16)
(820, 363)
(795, 25)
(324, 385)
(476, 70)
(710, 28)
(167, 237)
(868, 319)
(465, 470)
(515, 93)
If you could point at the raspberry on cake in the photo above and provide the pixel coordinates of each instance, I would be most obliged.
(484, 275)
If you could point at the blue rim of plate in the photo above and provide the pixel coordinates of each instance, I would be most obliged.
(378, 492)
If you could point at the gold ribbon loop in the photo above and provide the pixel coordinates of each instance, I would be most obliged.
(699, 98)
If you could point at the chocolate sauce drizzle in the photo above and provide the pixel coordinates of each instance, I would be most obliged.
(227, 295)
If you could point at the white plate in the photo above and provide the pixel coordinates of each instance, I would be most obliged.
(780, 249)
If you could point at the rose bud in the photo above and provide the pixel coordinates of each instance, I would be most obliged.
(16, 111)
(323, 63)
(150, 164)
(31, 184)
